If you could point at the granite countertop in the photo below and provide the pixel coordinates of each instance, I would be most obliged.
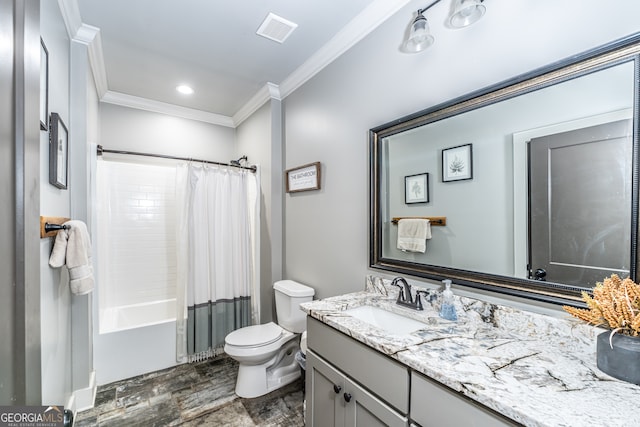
(535, 369)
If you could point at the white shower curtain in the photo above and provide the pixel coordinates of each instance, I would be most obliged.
(216, 283)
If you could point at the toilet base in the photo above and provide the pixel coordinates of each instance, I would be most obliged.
(258, 380)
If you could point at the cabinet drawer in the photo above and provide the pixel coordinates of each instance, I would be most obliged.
(383, 376)
(434, 405)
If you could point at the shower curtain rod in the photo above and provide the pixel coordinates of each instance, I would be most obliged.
(163, 156)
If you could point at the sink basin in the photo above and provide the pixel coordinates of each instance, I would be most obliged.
(383, 319)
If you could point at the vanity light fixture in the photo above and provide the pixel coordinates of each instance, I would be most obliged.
(465, 13)
(419, 36)
(184, 89)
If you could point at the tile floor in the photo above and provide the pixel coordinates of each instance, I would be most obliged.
(200, 394)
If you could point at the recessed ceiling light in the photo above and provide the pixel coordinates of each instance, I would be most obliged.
(184, 89)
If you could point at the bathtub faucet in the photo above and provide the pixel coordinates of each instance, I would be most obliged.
(404, 295)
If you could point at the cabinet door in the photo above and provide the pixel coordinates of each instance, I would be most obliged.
(362, 409)
(434, 405)
(324, 391)
(387, 378)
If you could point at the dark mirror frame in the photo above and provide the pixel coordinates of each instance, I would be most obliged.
(621, 51)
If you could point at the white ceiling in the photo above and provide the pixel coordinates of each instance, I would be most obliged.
(140, 50)
(148, 47)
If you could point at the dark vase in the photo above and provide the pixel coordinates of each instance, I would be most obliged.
(623, 360)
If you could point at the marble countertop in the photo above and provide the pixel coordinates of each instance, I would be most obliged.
(535, 369)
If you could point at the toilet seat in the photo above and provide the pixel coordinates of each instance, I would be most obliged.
(255, 336)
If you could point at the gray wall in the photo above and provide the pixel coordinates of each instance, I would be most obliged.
(328, 118)
(8, 351)
(56, 299)
(20, 372)
(38, 330)
(124, 128)
(259, 137)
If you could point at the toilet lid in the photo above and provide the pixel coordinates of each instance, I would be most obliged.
(256, 335)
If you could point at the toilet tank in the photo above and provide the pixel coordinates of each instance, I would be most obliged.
(289, 296)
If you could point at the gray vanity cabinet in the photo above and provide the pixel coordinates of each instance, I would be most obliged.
(349, 384)
(433, 405)
(334, 400)
(324, 388)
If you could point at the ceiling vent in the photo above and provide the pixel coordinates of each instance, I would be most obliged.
(276, 28)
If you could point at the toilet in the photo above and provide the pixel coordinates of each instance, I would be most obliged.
(266, 353)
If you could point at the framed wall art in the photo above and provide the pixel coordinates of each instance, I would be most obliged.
(58, 152)
(303, 178)
(44, 86)
(457, 163)
(416, 188)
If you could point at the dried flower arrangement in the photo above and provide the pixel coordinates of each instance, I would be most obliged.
(615, 304)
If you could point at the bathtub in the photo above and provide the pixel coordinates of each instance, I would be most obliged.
(132, 316)
(134, 340)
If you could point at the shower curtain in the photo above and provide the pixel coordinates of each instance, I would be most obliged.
(216, 283)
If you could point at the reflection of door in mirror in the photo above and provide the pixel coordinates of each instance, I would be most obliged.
(580, 212)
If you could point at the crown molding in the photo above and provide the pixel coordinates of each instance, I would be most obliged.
(122, 99)
(90, 36)
(359, 27)
(71, 16)
(262, 96)
(368, 20)
(274, 91)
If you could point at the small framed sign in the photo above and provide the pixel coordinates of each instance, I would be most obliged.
(303, 178)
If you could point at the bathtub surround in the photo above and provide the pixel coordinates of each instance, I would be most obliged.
(137, 313)
(136, 233)
(135, 237)
(216, 279)
(190, 395)
(534, 369)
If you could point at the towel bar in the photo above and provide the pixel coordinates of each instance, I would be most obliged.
(434, 220)
(54, 227)
(50, 225)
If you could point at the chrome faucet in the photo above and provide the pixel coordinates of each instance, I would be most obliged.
(404, 295)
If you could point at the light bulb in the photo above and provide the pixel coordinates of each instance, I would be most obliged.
(184, 89)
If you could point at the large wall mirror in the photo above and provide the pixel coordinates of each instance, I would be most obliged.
(531, 186)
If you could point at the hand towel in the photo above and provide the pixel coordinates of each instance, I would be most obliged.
(413, 234)
(73, 248)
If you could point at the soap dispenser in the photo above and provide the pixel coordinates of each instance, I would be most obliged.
(447, 309)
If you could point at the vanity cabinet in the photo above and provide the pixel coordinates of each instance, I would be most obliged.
(434, 405)
(333, 399)
(349, 384)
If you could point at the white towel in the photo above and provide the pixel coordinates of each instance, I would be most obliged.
(73, 248)
(413, 233)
